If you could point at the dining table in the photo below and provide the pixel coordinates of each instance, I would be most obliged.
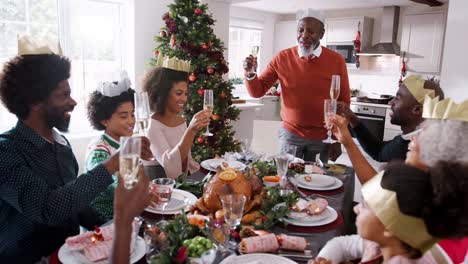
(340, 199)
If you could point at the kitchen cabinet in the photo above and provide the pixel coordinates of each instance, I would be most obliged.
(422, 39)
(285, 35)
(344, 30)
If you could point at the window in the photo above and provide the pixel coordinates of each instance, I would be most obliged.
(243, 36)
(92, 34)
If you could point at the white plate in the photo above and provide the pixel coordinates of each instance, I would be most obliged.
(335, 186)
(66, 256)
(309, 218)
(177, 201)
(330, 213)
(318, 180)
(259, 258)
(213, 164)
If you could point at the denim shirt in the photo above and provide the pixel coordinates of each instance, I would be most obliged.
(42, 201)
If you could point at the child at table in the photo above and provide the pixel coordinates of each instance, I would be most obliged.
(404, 212)
(110, 108)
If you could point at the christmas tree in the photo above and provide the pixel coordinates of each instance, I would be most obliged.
(188, 35)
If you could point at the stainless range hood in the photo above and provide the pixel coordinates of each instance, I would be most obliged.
(388, 34)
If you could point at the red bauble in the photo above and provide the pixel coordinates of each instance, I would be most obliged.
(201, 91)
(204, 46)
(198, 11)
(200, 140)
(192, 77)
(162, 33)
(222, 95)
(156, 53)
(210, 70)
(223, 62)
(216, 117)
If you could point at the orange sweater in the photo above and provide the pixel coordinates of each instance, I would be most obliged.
(304, 86)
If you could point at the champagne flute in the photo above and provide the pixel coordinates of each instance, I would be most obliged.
(286, 156)
(329, 106)
(129, 160)
(335, 87)
(208, 104)
(254, 53)
(142, 112)
(233, 207)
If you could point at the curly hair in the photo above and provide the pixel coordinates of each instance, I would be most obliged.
(30, 79)
(443, 140)
(101, 107)
(158, 82)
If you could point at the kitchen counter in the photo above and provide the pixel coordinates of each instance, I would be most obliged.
(247, 105)
(353, 101)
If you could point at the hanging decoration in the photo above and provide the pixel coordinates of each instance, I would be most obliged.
(403, 66)
(357, 45)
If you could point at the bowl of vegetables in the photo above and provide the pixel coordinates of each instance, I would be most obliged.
(200, 250)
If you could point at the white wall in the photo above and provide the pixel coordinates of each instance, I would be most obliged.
(454, 77)
(220, 12)
(269, 21)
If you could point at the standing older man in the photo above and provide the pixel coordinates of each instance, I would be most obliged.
(304, 72)
(42, 202)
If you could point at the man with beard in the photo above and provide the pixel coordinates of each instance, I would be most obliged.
(304, 72)
(42, 202)
(406, 113)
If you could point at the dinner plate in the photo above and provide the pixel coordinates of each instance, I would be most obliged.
(318, 180)
(214, 164)
(179, 200)
(309, 218)
(66, 256)
(258, 258)
(336, 185)
(330, 216)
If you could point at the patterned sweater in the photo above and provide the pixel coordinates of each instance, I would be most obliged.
(99, 150)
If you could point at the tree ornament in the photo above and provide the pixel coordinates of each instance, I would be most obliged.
(156, 53)
(162, 33)
(173, 41)
(201, 91)
(222, 95)
(204, 46)
(216, 117)
(223, 62)
(200, 140)
(192, 77)
(210, 70)
(198, 11)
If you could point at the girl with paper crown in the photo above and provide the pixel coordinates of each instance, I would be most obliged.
(110, 109)
(171, 138)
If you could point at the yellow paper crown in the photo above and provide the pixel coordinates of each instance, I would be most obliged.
(408, 229)
(415, 85)
(28, 45)
(445, 109)
(173, 63)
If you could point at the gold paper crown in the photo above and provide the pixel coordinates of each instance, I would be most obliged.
(173, 63)
(445, 109)
(27, 45)
(408, 229)
(415, 85)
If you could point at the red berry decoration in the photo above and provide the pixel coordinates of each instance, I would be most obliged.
(216, 117)
(162, 33)
(204, 46)
(200, 140)
(201, 91)
(192, 77)
(210, 70)
(198, 11)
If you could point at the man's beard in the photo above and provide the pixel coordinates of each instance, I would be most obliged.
(303, 52)
(56, 118)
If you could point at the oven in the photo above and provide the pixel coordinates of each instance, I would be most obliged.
(373, 117)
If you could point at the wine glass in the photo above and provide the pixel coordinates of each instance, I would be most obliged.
(245, 148)
(208, 104)
(254, 53)
(129, 160)
(286, 156)
(162, 189)
(233, 207)
(142, 112)
(335, 87)
(329, 106)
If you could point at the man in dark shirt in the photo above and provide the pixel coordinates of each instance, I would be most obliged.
(406, 112)
(42, 201)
